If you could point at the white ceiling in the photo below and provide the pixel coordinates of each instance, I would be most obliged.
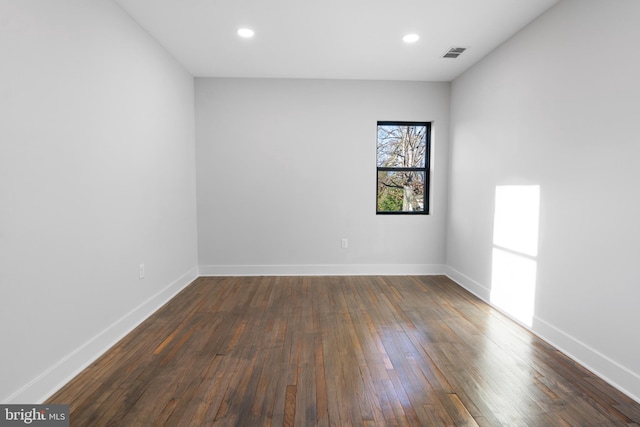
(332, 39)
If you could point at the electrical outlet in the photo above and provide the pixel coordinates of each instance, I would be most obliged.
(141, 271)
(345, 243)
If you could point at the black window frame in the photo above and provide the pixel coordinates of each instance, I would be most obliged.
(426, 169)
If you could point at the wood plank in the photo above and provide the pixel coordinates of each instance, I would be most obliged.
(290, 406)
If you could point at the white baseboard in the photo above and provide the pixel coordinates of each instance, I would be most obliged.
(623, 379)
(47, 383)
(469, 284)
(323, 270)
(608, 369)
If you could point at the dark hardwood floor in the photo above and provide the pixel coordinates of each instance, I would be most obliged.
(306, 351)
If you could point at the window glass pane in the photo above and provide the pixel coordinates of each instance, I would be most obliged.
(402, 146)
(400, 191)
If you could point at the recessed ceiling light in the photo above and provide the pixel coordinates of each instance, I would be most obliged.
(245, 32)
(410, 38)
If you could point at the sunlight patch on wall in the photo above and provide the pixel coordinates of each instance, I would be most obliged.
(515, 248)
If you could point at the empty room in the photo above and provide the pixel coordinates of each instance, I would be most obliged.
(298, 213)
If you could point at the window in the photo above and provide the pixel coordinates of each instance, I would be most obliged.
(403, 167)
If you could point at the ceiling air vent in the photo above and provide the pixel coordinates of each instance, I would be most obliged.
(454, 52)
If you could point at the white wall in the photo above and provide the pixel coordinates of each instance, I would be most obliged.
(97, 176)
(286, 169)
(557, 106)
